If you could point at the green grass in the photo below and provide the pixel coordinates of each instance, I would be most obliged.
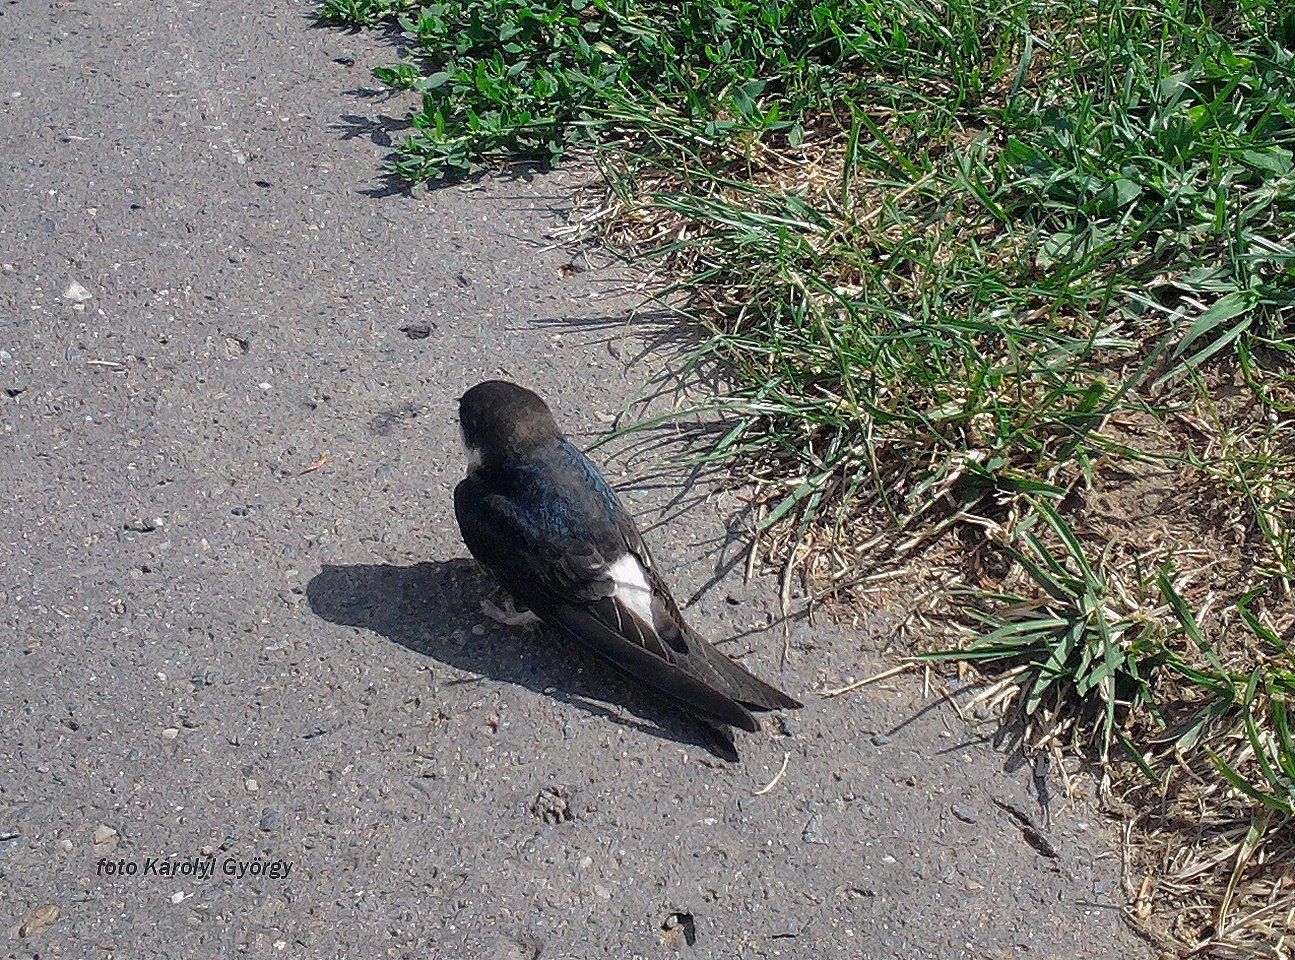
(1104, 653)
(961, 262)
(504, 78)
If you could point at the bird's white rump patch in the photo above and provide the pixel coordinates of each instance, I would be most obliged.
(632, 587)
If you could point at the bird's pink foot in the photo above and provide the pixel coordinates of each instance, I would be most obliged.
(509, 616)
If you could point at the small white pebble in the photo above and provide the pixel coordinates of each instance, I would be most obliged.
(177, 897)
(251, 785)
(170, 733)
(266, 386)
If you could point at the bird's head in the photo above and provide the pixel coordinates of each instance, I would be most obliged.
(502, 422)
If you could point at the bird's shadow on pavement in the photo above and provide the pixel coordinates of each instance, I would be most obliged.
(431, 608)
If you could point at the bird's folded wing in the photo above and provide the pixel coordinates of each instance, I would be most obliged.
(736, 681)
(588, 625)
(570, 583)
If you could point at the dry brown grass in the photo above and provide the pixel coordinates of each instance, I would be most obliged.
(1198, 472)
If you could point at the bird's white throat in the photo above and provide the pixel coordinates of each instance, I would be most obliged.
(473, 454)
(632, 587)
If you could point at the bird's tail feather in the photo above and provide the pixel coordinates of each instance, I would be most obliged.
(738, 683)
(692, 691)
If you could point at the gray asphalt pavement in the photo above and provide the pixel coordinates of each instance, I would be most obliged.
(250, 708)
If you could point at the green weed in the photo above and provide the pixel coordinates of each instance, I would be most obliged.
(360, 13)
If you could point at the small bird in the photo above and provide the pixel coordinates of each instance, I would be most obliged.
(538, 515)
